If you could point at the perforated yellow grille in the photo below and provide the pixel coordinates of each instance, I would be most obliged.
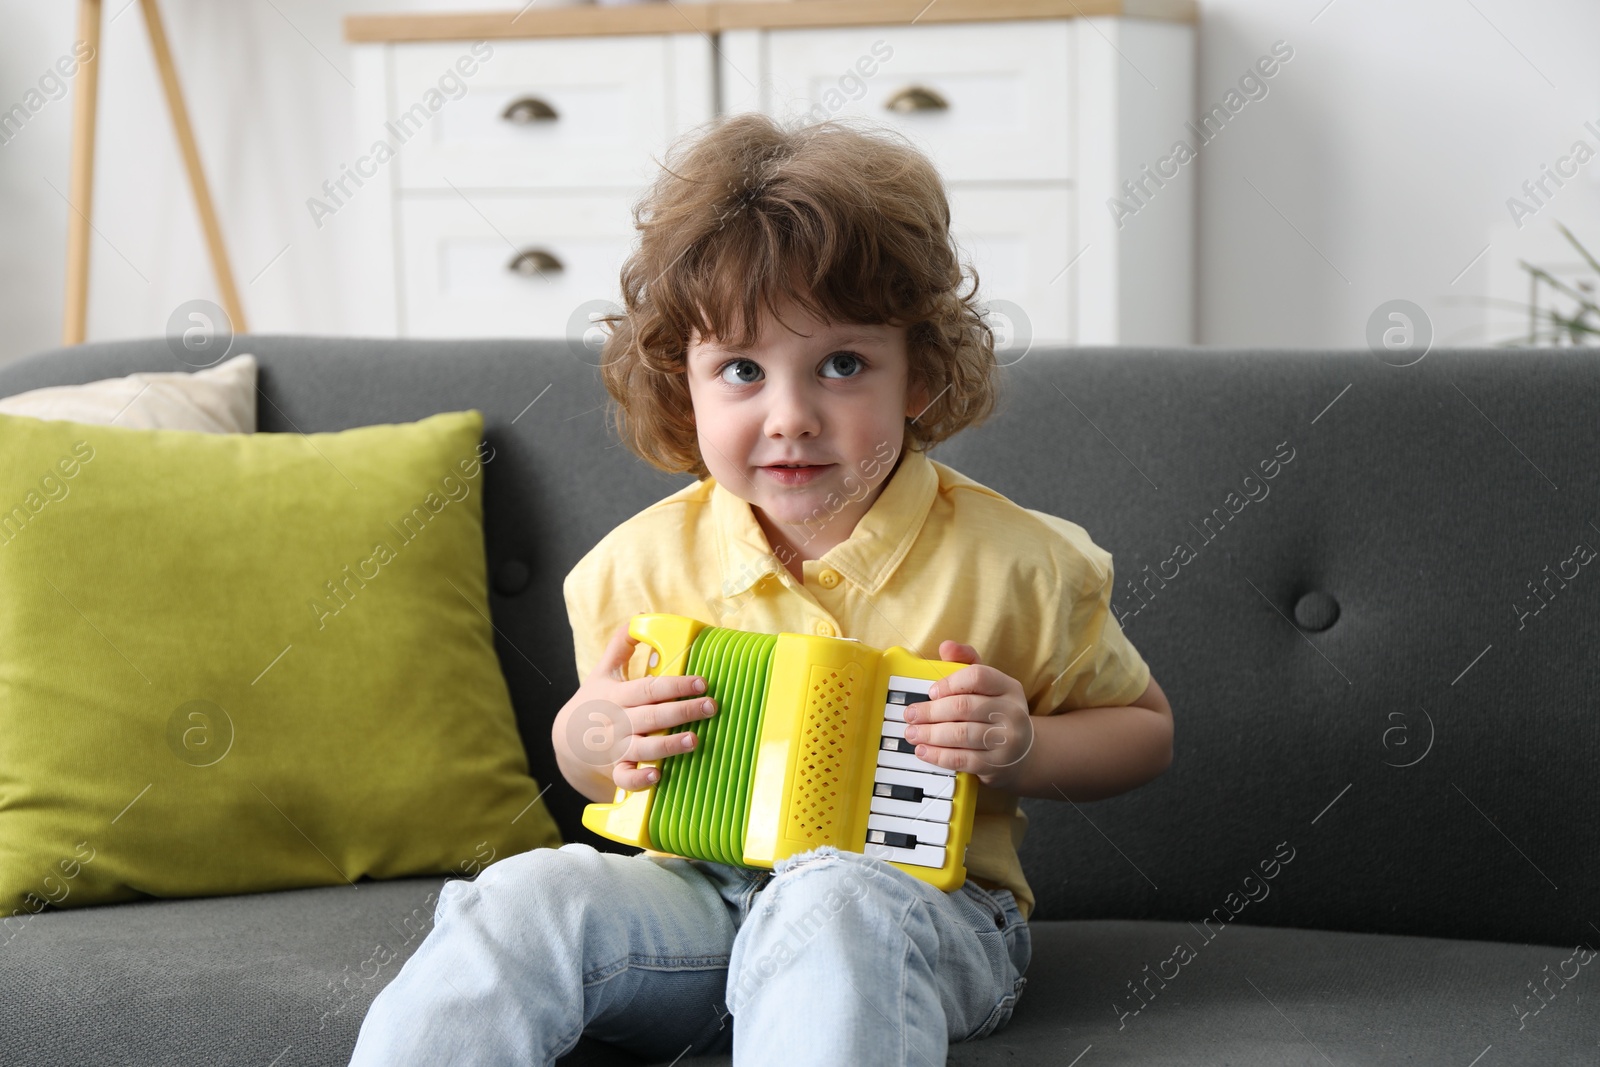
(814, 815)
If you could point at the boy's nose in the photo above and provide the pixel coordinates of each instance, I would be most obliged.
(793, 414)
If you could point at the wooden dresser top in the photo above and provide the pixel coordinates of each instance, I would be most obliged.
(589, 20)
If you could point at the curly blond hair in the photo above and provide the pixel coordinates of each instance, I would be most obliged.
(851, 224)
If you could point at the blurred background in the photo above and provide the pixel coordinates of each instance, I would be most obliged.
(1425, 151)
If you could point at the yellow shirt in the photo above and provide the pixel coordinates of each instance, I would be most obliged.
(937, 557)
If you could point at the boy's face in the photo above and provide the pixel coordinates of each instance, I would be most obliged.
(834, 396)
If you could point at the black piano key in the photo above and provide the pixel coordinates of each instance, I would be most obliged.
(901, 696)
(898, 792)
(890, 837)
(899, 744)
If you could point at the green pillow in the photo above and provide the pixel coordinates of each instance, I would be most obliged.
(243, 662)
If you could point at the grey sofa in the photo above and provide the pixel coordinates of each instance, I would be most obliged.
(1378, 838)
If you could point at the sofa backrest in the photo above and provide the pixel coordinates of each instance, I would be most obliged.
(1369, 591)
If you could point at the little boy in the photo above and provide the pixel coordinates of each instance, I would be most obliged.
(796, 335)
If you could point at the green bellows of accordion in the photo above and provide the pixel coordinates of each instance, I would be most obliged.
(703, 797)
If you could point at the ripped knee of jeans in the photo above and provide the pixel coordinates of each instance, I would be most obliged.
(830, 856)
(820, 854)
(845, 866)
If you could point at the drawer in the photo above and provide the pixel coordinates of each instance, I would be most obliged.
(583, 113)
(1020, 241)
(987, 102)
(455, 263)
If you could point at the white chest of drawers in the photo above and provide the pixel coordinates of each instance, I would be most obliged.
(509, 208)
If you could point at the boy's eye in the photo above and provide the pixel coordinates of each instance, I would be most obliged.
(849, 360)
(744, 367)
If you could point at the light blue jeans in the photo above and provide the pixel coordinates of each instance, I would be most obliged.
(830, 958)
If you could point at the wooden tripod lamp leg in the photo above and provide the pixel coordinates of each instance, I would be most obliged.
(80, 191)
(191, 163)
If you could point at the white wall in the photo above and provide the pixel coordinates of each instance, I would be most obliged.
(266, 82)
(1390, 142)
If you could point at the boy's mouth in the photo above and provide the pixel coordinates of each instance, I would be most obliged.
(795, 474)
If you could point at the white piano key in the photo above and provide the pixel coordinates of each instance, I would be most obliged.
(905, 761)
(933, 785)
(927, 808)
(897, 744)
(894, 713)
(921, 856)
(927, 833)
(919, 686)
(893, 729)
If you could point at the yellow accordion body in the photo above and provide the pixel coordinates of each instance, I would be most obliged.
(806, 749)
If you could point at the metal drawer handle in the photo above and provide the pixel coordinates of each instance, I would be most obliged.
(916, 98)
(528, 109)
(535, 262)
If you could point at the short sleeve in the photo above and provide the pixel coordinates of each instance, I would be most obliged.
(580, 596)
(1093, 663)
(595, 608)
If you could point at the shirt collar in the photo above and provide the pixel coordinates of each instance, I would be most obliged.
(866, 558)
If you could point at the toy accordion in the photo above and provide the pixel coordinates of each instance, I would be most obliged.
(807, 748)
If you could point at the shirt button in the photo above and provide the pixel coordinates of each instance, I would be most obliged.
(829, 579)
(825, 629)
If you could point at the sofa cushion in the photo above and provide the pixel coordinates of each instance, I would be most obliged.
(220, 399)
(261, 978)
(232, 663)
(1260, 997)
(251, 978)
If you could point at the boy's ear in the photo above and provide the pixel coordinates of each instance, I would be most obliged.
(916, 400)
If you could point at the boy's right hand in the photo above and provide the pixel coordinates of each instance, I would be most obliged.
(610, 720)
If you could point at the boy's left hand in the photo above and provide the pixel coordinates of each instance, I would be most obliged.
(975, 720)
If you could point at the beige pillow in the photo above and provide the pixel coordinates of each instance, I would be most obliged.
(220, 399)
